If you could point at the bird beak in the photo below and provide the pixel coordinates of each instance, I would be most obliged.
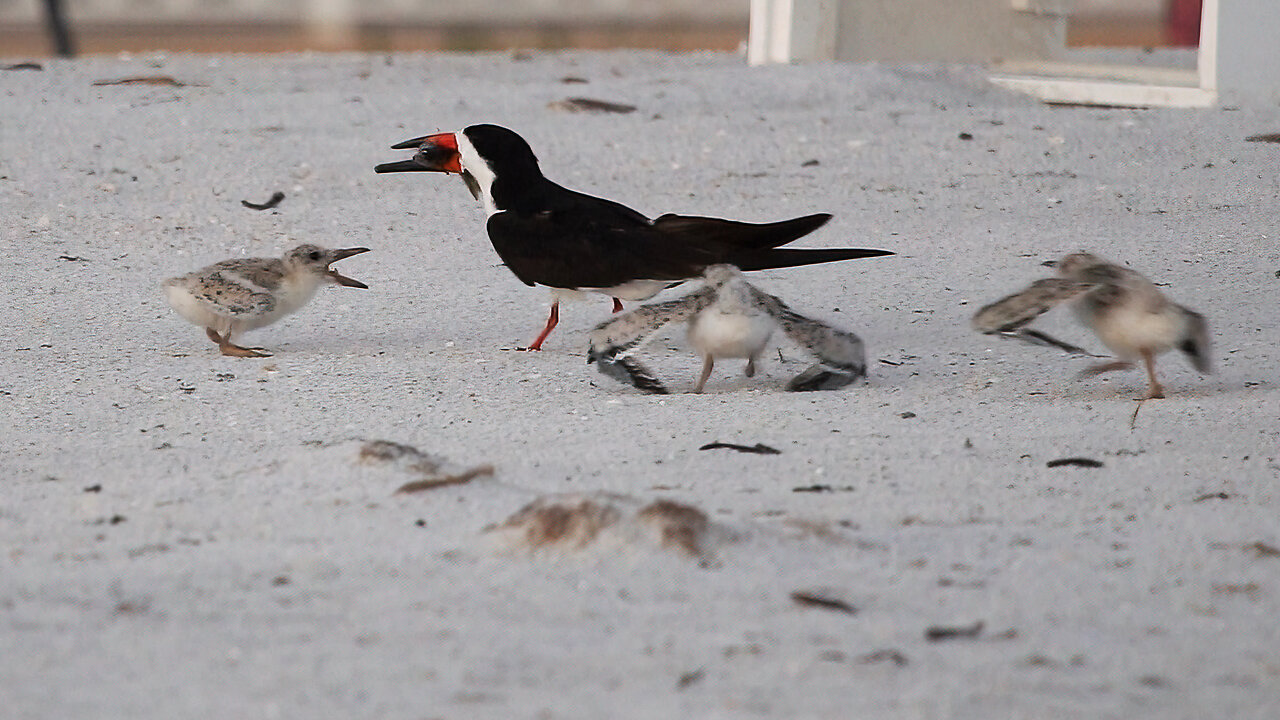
(436, 153)
(339, 277)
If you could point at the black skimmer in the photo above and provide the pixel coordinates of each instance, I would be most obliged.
(549, 235)
(1125, 310)
(728, 318)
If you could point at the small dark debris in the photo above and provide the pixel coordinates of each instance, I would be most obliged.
(280, 580)
(1212, 496)
(132, 607)
(1153, 681)
(1038, 660)
(386, 451)
(1074, 462)
(811, 598)
(965, 136)
(758, 448)
(906, 415)
(573, 80)
(420, 522)
(24, 66)
(879, 656)
(72, 258)
(938, 633)
(582, 104)
(1267, 137)
(164, 80)
(224, 377)
(810, 163)
(890, 363)
(440, 481)
(1263, 549)
(276, 198)
(690, 678)
(813, 489)
(94, 489)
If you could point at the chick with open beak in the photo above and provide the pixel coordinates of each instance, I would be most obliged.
(233, 296)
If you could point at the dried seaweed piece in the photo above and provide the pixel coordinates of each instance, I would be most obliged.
(690, 678)
(582, 104)
(937, 633)
(276, 198)
(1212, 496)
(1075, 461)
(814, 598)
(1267, 137)
(889, 655)
(163, 80)
(758, 448)
(1263, 549)
(440, 481)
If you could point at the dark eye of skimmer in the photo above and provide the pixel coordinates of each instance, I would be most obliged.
(315, 255)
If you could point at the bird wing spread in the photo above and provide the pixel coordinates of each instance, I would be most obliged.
(840, 354)
(614, 343)
(1012, 312)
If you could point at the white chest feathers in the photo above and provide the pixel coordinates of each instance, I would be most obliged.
(731, 329)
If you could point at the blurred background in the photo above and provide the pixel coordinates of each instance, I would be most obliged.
(112, 26)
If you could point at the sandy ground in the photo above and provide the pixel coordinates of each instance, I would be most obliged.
(188, 535)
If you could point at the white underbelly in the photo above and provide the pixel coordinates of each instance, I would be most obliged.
(194, 310)
(634, 290)
(730, 336)
(1128, 331)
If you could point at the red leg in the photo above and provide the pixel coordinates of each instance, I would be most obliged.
(552, 321)
(617, 305)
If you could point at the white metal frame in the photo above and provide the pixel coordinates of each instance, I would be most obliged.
(1237, 53)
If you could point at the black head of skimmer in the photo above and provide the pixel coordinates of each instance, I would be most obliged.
(549, 235)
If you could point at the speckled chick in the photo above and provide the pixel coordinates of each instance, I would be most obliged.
(1125, 310)
(233, 296)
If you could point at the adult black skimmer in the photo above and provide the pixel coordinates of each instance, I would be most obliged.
(550, 235)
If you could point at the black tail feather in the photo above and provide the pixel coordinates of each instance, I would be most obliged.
(792, 257)
(732, 233)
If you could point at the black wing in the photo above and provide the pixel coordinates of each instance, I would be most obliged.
(584, 244)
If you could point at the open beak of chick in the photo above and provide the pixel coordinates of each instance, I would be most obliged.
(338, 277)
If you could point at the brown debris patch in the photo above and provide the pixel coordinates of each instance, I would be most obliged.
(573, 524)
(607, 523)
(432, 472)
(679, 527)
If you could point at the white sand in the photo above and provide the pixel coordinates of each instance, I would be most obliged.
(256, 569)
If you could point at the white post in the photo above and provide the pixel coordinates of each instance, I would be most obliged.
(784, 31)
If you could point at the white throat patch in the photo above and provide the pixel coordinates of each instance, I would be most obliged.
(479, 170)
